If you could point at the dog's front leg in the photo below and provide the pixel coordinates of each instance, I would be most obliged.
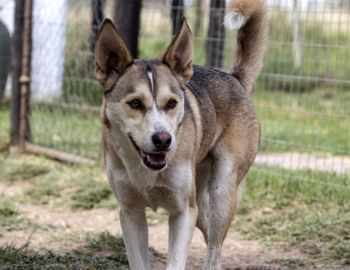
(181, 226)
(135, 233)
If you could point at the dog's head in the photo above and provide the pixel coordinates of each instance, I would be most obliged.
(144, 99)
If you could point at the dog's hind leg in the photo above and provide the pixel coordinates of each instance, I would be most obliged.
(135, 233)
(233, 154)
(222, 203)
(203, 174)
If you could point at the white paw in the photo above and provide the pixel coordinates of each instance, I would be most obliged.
(234, 20)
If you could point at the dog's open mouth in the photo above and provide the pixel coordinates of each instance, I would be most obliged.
(155, 161)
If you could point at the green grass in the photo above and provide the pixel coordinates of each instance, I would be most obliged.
(92, 194)
(79, 187)
(305, 209)
(4, 126)
(102, 251)
(310, 122)
(76, 187)
(69, 130)
(11, 219)
(14, 170)
(325, 52)
(98, 252)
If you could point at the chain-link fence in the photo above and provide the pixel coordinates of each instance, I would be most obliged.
(302, 96)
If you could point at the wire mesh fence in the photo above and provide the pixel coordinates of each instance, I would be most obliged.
(302, 96)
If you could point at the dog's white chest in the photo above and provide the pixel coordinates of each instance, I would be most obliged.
(169, 189)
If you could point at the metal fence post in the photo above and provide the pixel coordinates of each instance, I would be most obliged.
(177, 12)
(97, 18)
(25, 76)
(216, 34)
(127, 19)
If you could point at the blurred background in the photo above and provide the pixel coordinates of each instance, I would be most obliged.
(299, 188)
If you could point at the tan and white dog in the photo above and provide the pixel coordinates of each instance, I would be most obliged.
(180, 136)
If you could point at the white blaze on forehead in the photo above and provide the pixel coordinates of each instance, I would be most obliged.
(150, 76)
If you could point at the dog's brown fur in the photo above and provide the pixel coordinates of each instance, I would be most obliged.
(214, 129)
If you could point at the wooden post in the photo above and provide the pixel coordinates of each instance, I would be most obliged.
(177, 12)
(16, 63)
(216, 34)
(127, 19)
(25, 76)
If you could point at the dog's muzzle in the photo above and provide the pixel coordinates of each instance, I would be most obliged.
(155, 161)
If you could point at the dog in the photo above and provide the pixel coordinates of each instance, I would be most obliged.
(180, 136)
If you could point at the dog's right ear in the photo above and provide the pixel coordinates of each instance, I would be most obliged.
(180, 53)
(111, 55)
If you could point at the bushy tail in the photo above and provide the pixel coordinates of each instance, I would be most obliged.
(249, 17)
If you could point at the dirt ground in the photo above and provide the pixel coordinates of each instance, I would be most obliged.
(237, 253)
(64, 230)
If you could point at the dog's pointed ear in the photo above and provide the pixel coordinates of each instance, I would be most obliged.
(111, 55)
(180, 53)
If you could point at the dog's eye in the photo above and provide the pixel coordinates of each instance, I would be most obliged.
(135, 104)
(171, 104)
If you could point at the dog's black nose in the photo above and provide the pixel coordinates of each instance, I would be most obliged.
(161, 140)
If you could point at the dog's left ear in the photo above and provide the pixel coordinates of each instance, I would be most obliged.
(180, 52)
(111, 55)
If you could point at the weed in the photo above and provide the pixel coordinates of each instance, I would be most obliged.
(107, 244)
(7, 210)
(90, 195)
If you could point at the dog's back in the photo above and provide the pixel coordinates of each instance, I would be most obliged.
(225, 97)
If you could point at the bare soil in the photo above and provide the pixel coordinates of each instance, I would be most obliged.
(63, 230)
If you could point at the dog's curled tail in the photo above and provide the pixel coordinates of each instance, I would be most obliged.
(249, 17)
